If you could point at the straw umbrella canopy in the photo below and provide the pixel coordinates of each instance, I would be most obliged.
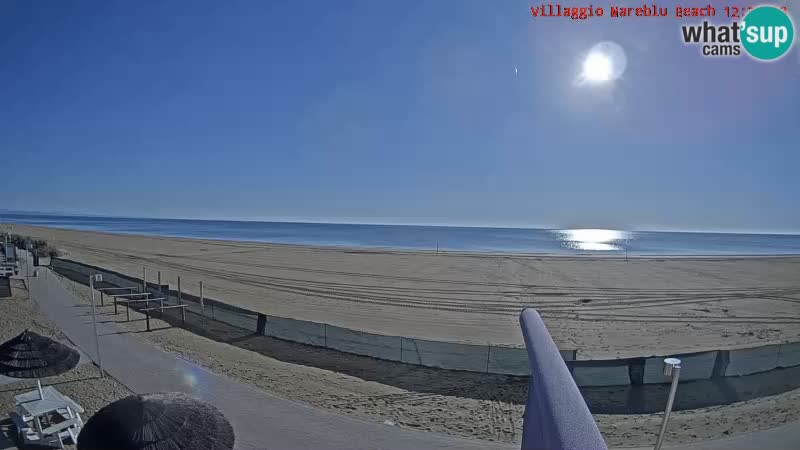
(31, 355)
(162, 421)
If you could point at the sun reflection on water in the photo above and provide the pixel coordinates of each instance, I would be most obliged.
(593, 239)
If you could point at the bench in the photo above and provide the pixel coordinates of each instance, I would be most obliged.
(125, 296)
(162, 308)
(146, 302)
(22, 426)
(62, 430)
(60, 426)
(103, 290)
(59, 431)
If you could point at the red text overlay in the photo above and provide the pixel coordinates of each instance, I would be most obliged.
(545, 10)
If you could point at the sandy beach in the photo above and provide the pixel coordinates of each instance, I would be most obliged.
(605, 307)
(474, 405)
(482, 406)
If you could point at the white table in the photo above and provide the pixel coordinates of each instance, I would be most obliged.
(32, 407)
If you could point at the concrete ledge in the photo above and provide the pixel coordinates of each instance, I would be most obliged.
(752, 360)
(310, 333)
(789, 355)
(445, 355)
(360, 343)
(600, 373)
(508, 361)
(244, 322)
(569, 355)
(695, 366)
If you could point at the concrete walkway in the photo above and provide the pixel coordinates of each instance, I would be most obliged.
(260, 420)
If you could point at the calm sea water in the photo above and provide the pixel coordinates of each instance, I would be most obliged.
(428, 237)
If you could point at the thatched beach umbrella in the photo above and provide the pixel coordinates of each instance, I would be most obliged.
(163, 421)
(31, 355)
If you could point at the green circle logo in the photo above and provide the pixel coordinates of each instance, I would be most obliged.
(767, 33)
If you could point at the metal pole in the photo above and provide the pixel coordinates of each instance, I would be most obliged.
(159, 283)
(28, 255)
(94, 324)
(672, 366)
(144, 279)
(202, 301)
(179, 290)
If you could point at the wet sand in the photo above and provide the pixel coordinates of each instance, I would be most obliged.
(605, 307)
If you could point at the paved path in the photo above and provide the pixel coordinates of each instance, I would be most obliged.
(260, 420)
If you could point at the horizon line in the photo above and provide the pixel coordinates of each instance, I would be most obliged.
(355, 222)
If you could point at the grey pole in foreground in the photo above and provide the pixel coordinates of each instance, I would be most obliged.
(144, 279)
(556, 415)
(159, 282)
(179, 290)
(672, 366)
(202, 300)
(92, 279)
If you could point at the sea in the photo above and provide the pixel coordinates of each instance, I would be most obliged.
(421, 237)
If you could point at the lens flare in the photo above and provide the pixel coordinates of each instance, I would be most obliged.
(190, 379)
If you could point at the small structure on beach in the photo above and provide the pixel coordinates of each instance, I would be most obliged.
(161, 421)
(31, 355)
(43, 416)
(8, 261)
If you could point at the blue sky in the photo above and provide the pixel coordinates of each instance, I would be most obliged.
(388, 112)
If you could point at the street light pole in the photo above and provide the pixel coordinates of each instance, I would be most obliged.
(672, 366)
(92, 278)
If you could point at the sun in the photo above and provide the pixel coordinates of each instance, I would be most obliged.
(598, 68)
(603, 64)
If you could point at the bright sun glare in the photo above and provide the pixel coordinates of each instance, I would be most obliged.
(604, 63)
(593, 239)
(597, 67)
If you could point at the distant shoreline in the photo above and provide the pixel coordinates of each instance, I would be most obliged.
(411, 251)
(378, 224)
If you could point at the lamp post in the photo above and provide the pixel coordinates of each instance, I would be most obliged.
(672, 367)
(92, 278)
